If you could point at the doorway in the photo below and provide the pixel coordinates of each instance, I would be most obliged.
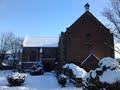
(47, 67)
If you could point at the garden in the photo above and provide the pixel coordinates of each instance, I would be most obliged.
(105, 77)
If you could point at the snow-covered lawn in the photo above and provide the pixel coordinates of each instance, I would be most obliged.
(42, 82)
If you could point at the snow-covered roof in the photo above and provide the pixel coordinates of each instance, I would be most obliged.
(38, 41)
(77, 71)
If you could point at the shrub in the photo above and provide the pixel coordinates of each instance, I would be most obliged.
(62, 80)
(6, 67)
(92, 82)
(113, 86)
(78, 82)
(74, 73)
(37, 69)
(16, 78)
(106, 77)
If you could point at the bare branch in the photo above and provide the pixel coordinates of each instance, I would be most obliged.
(8, 42)
(113, 48)
(112, 13)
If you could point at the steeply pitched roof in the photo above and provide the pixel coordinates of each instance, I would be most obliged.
(86, 20)
(37, 41)
(90, 57)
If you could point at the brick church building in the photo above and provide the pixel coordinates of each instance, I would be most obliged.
(84, 43)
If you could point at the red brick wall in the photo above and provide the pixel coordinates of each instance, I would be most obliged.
(85, 35)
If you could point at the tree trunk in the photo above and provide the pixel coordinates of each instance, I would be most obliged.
(14, 63)
(2, 58)
(1, 62)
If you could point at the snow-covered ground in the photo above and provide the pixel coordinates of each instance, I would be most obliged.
(42, 82)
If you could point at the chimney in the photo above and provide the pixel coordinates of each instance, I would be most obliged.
(87, 7)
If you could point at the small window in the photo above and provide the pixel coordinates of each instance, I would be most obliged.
(88, 35)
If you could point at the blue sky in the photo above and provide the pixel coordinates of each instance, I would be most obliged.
(44, 17)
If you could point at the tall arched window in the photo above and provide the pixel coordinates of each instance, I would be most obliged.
(88, 41)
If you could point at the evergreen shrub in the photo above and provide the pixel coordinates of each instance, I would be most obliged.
(16, 78)
(37, 69)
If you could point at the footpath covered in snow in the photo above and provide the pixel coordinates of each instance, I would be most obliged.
(41, 82)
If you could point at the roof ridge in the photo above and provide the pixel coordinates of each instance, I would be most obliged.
(87, 14)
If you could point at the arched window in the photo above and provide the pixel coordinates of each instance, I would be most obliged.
(88, 41)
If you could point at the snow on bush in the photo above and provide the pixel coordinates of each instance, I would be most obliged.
(77, 71)
(16, 78)
(37, 69)
(75, 74)
(112, 70)
(109, 63)
(62, 80)
(107, 75)
(110, 76)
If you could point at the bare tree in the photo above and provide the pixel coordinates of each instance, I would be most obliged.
(112, 13)
(16, 45)
(5, 44)
(9, 43)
